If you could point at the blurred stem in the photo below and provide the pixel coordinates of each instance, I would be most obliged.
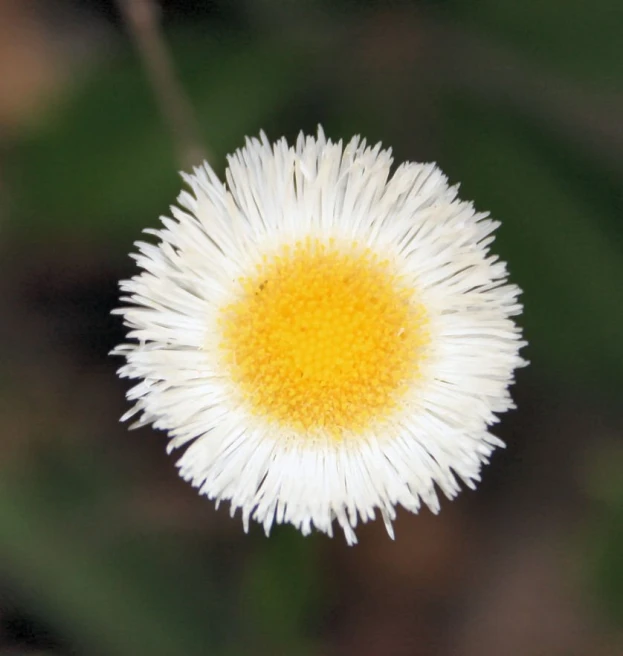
(142, 20)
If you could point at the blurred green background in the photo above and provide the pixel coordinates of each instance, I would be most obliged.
(103, 550)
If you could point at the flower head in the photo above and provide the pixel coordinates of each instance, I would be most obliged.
(324, 338)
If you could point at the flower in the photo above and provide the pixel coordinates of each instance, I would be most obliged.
(324, 338)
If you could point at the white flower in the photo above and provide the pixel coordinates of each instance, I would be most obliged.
(324, 338)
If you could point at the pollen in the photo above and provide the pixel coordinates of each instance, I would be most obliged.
(324, 339)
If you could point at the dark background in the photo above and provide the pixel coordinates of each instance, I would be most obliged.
(103, 550)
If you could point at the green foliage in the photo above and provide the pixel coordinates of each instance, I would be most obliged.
(559, 211)
(102, 166)
(580, 39)
(282, 588)
(112, 590)
(604, 550)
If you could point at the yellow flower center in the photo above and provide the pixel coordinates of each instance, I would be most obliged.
(324, 340)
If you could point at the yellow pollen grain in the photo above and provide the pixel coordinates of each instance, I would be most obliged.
(324, 339)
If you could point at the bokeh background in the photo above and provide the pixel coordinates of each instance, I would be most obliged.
(103, 550)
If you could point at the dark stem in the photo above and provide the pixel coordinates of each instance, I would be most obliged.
(142, 20)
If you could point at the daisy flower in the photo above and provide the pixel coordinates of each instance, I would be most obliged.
(323, 338)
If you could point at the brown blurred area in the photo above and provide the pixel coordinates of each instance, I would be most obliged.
(104, 550)
(30, 66)
(43, 45)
